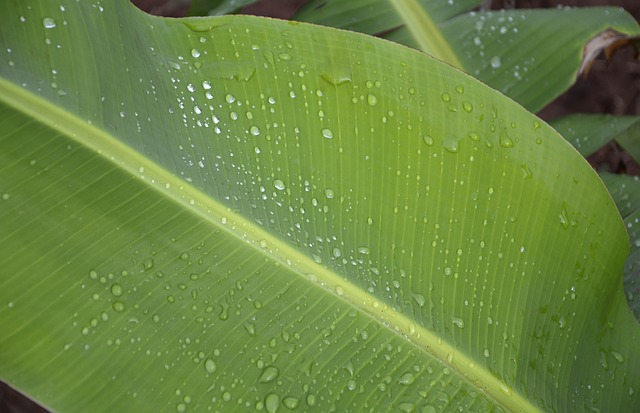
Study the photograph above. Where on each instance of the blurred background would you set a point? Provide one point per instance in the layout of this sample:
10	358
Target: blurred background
612	86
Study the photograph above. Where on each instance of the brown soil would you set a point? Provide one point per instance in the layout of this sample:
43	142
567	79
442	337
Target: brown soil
611	87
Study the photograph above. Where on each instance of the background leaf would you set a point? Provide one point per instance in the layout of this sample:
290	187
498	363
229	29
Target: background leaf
514	51
217	214
216	7
625	191
589	133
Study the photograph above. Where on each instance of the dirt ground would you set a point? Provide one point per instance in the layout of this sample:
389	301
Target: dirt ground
611	87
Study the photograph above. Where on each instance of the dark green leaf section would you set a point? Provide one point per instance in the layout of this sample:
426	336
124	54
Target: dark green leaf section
589	133
216	7
218	215
625	191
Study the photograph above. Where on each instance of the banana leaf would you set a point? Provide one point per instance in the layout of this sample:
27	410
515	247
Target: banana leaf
237	213
532	56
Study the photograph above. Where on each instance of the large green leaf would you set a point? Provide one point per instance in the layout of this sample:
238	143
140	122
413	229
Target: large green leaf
216	214
530	55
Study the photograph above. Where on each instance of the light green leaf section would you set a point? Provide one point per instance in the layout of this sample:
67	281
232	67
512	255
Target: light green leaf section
214	214
530	55
625	191
588	133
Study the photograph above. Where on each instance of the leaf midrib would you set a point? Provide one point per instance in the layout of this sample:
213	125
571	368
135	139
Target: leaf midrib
237	226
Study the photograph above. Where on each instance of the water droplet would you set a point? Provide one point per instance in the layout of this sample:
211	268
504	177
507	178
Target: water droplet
496	62
255	131
278	184
48	23
505	139
486	353
564	217
210	366
336	252
467	106
458	322
272	403
250	328
372	100
428	140
619	357
446	97
419	299
195	52
230	98
460	89
451	144
327	133
406	407
339	290
116	290
407	379
351	385
447	271
311	399
291	402
284	56
269	374
329	193
118	306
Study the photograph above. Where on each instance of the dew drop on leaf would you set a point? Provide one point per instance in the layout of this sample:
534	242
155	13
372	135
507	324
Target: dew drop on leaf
407	407
419	299
116	290
278	184
272	403
118	306
458	322
269	374
291	402
407	379
210	366
327	133
48	23
311	400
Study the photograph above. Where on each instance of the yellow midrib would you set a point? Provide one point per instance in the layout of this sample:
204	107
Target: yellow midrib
425	32
238	226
